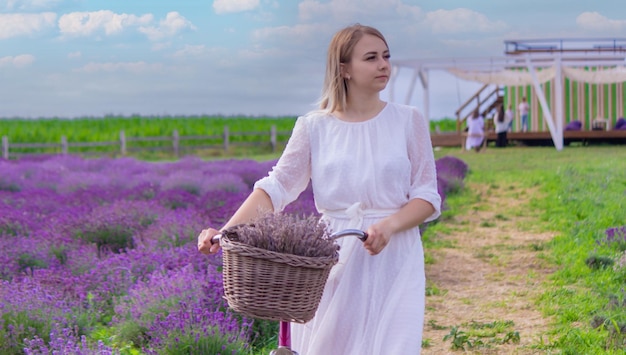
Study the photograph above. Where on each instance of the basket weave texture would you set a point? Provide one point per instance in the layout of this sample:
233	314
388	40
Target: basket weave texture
265	284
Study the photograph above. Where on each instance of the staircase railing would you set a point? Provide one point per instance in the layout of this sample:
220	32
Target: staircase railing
483	101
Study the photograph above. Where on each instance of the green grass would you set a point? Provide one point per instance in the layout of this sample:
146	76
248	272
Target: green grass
107	129
582	192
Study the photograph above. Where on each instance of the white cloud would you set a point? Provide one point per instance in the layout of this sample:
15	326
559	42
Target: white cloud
595	22
298	33
19	61
354	10
213	57
409	10
88	23
27	5
461	21
173	24
306	42
159	46
13	25
319	20
74	55
191	51
311	9
131	67
227	6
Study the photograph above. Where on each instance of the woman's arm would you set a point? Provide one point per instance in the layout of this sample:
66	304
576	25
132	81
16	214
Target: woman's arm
281	186
256	203
424	202
409	216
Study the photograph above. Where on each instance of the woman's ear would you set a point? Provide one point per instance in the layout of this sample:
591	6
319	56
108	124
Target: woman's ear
344	72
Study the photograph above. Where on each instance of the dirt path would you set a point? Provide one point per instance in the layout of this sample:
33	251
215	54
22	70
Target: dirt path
487	272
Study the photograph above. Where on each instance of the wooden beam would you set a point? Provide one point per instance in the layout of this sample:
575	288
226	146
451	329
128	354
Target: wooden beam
558	140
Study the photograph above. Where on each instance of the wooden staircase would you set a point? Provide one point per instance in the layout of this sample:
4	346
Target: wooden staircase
485	100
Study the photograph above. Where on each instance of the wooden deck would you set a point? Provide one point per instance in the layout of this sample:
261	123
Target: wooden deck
455	139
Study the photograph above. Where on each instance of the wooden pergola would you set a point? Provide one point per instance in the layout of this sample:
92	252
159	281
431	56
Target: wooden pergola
530	57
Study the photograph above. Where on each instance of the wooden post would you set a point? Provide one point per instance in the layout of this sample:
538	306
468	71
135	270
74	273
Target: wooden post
175	142
273	138
5	147
122	143
610	88
64	145
620	100
463	139
226	138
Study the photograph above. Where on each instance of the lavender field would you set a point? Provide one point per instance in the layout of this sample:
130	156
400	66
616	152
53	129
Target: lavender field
98	256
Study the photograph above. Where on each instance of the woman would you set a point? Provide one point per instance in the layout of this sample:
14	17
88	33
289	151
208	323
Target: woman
523	112
502	127
475	132
509	116
371	166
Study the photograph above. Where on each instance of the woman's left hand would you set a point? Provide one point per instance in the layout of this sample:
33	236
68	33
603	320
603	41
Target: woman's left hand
377	238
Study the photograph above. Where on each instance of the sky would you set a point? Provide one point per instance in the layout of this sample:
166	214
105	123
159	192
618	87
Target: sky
78	58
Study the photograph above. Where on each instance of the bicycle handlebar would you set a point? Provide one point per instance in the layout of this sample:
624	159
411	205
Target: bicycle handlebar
346	232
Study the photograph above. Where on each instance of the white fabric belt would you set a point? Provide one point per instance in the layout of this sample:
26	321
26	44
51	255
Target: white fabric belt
356	213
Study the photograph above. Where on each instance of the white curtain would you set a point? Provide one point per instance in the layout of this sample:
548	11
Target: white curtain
504	77
602	76
523	77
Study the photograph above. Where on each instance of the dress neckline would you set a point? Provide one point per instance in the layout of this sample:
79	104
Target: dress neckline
373	118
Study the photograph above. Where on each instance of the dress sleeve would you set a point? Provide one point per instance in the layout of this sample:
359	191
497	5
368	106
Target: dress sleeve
291	174
423	171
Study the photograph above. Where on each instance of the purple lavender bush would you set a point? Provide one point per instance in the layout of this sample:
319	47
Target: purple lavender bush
114	225
575	125
451	172
99	255
65	341
615	236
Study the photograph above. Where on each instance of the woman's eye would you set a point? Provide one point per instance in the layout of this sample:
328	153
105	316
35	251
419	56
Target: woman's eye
370	58
387	56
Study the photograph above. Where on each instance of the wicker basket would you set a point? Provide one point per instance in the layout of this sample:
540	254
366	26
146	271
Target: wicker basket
268	285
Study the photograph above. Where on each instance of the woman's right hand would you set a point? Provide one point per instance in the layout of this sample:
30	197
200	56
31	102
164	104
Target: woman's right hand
205	246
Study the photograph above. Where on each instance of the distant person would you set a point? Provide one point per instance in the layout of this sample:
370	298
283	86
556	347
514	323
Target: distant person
508	116
475	132
502	126
523	112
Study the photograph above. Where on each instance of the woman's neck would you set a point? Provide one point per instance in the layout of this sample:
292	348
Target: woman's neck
361	108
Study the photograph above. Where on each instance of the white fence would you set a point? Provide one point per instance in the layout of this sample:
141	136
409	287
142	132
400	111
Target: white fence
125	144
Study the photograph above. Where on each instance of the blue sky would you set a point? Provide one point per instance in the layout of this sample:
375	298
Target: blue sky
73	58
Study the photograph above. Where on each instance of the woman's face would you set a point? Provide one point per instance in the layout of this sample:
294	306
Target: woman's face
369	67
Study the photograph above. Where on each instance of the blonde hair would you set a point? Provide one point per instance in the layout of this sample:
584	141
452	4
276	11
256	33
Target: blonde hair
335	89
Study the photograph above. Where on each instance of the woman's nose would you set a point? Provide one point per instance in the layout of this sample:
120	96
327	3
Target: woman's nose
383	63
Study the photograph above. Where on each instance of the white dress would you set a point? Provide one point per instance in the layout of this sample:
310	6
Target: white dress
475	132
360	173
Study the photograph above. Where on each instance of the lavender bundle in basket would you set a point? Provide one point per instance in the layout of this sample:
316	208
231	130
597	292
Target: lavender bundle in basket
286	234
